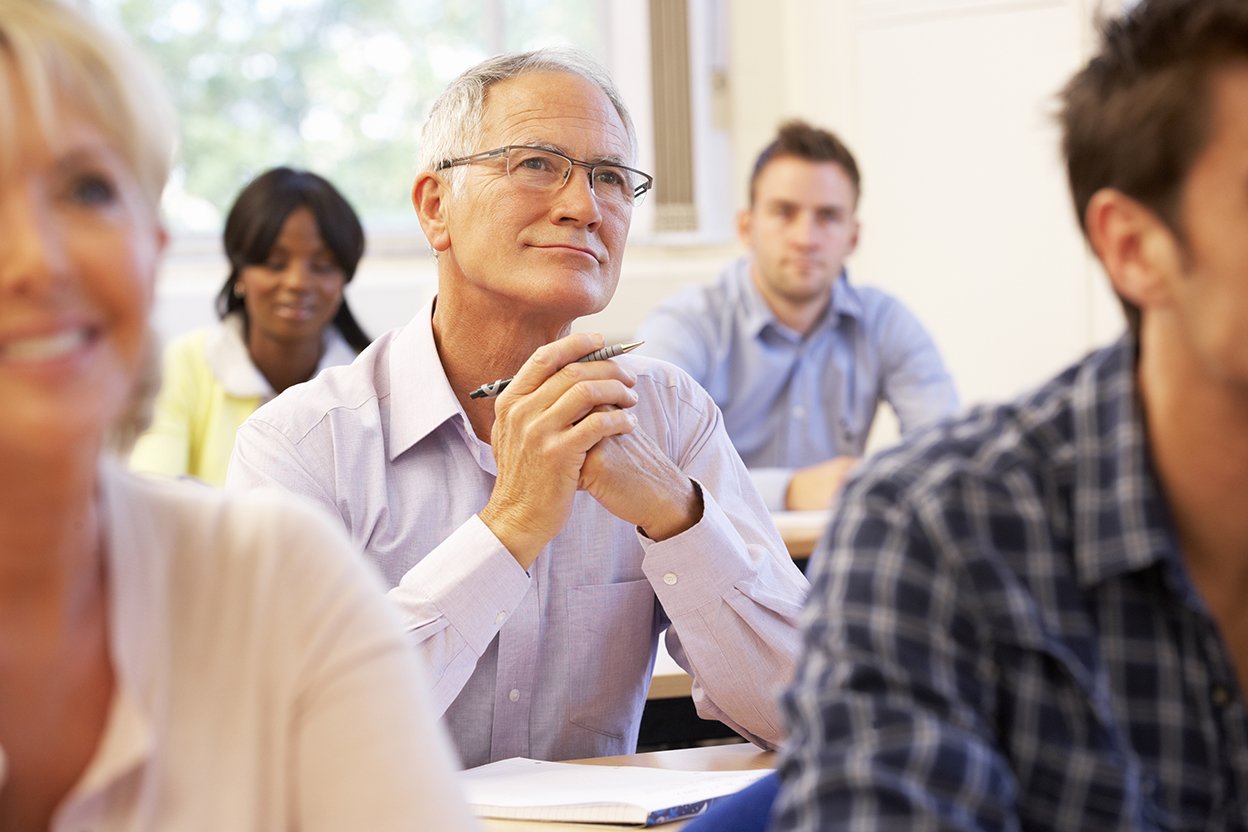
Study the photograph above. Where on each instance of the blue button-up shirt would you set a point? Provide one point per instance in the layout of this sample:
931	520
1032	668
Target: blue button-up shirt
1002	635
791	401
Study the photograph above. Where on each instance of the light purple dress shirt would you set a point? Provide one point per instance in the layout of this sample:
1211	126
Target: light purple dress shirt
790	400
553	664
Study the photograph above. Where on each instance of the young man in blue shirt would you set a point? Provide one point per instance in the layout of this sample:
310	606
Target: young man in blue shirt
797	357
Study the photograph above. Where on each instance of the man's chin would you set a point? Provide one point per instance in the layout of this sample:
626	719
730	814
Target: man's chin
570	301
802	293
584	290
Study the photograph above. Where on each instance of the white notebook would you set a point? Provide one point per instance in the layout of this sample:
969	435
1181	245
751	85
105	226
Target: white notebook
813	521
523	789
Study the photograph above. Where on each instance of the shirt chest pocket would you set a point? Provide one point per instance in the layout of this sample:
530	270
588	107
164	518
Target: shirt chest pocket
613	637
1069	752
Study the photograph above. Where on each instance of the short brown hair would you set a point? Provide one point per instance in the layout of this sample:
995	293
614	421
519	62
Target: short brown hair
798	139
1139	114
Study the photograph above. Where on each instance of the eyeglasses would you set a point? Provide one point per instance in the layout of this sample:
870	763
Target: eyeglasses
546	170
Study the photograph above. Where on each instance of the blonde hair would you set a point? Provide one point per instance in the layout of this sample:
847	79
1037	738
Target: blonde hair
57	56
137	415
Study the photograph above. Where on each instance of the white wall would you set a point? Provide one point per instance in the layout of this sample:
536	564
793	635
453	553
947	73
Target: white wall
948	105
390	288
387	290
969	215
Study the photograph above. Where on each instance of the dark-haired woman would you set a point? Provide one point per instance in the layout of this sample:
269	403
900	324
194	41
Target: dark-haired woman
293	244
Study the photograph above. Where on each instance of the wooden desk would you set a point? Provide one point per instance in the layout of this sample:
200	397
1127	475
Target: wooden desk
740	757
669	683
801	530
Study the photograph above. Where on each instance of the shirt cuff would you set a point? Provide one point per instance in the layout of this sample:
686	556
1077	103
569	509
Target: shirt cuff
471	579
699	564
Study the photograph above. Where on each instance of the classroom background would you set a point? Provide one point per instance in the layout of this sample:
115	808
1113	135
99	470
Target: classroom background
948	105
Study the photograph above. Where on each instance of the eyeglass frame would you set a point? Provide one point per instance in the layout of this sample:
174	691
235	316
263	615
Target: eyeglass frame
638	192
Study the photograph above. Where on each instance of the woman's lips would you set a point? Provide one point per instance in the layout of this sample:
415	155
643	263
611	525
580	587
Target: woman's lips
38	349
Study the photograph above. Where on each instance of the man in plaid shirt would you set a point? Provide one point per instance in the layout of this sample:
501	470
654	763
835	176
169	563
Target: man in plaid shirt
1036	617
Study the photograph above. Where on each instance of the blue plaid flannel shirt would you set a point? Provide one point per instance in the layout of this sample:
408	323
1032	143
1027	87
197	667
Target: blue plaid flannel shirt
1001	635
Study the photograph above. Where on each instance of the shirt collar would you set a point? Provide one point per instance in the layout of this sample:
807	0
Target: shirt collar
1122	522
846	302
230	361
421	399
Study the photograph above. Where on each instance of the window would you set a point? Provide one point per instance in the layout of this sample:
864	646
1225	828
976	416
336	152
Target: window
340	87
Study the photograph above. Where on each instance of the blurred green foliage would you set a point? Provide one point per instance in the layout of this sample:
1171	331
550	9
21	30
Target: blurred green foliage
340	87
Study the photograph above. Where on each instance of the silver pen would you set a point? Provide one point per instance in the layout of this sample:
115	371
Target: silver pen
495	387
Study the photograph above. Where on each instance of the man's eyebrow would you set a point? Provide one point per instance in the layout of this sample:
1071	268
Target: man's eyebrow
539	145
612	159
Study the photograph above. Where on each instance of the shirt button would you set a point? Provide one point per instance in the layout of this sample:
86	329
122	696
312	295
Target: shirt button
501	617
1220	695
799	412
514	696
670	579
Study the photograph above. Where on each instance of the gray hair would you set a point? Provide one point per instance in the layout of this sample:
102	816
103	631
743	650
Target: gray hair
454	125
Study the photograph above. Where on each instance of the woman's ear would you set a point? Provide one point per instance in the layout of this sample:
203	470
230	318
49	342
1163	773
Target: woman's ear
162	244
1138	250
430	196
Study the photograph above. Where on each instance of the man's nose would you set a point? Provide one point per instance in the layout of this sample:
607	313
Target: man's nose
575	201
801	229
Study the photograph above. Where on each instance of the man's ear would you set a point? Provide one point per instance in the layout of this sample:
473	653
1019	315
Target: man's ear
1138	250
430	197
744	219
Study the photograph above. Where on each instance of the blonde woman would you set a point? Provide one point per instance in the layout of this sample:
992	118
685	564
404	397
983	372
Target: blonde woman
169	658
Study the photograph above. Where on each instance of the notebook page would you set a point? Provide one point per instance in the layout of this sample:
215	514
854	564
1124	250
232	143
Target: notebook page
526	789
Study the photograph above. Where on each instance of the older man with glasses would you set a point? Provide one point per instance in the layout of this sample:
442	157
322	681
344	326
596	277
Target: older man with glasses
539	542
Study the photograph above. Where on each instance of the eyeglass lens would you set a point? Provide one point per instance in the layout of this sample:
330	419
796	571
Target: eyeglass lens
547	171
